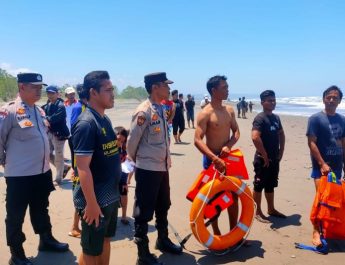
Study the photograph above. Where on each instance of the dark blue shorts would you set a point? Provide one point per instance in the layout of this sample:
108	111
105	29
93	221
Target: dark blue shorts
206	162
316	173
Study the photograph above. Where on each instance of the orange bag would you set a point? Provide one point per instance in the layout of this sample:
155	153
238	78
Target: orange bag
328	209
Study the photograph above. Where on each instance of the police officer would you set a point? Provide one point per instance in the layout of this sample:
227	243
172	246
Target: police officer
148	146
28	175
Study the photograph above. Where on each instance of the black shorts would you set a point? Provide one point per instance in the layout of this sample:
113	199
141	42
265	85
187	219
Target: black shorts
178	125
123	183
92	238
123	188
265	177
190	115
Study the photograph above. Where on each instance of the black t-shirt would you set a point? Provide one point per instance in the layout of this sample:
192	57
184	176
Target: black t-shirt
189	105
93	135
269	126
178	110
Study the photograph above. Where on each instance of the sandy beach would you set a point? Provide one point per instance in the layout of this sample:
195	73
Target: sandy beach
269	243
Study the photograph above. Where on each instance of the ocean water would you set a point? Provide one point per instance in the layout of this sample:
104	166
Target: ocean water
298	106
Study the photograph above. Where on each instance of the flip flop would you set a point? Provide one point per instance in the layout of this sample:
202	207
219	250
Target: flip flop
262	220
74	234
278	215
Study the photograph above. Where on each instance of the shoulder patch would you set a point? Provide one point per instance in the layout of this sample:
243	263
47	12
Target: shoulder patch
3	113
141	118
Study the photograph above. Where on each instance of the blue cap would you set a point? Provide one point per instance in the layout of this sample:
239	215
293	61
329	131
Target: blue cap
53	89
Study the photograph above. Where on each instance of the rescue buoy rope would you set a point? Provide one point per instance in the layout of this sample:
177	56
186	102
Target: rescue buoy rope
255	207
204	202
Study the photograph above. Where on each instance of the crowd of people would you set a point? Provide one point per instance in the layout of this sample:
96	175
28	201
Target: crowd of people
104	158
243	106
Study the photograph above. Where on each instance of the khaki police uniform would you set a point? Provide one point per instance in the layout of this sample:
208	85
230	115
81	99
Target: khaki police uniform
24	153
148	146
148	138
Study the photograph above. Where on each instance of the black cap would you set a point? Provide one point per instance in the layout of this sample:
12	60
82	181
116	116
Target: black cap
266	94
157	77
31	78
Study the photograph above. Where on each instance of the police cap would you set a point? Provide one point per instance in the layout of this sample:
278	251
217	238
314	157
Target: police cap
156	78
30	78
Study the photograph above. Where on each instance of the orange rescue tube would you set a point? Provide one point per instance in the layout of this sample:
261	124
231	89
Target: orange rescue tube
221	242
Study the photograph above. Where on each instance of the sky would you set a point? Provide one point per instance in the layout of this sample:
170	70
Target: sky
294	47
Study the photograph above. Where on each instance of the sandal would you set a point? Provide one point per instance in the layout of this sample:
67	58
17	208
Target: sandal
74	233
261	219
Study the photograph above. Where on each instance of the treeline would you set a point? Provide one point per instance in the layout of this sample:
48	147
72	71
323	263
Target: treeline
9	89
8	86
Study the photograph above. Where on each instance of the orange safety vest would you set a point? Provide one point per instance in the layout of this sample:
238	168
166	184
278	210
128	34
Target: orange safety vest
328	209
235	167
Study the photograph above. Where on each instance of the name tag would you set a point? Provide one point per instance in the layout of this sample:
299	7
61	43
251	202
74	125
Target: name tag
25	123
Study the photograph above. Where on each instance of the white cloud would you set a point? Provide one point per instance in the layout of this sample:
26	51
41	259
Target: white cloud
12	70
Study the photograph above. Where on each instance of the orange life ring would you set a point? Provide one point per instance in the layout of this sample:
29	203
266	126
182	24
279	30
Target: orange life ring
221	242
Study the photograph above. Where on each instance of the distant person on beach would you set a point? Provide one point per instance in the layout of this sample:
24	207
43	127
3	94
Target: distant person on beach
189	104
58	131
24	153
77	109
69	103
238	106
180	97
244	107
178	120
148	147
204	101
215	122
326	141
96	195
269	140
250	106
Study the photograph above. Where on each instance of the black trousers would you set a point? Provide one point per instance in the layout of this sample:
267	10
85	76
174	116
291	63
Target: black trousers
152	195
70	144
21	192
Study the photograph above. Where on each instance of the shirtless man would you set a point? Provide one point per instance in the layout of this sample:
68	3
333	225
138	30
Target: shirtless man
215	121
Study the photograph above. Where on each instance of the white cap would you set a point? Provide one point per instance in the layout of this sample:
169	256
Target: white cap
69	90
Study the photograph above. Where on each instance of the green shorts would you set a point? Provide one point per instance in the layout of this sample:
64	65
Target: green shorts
92	238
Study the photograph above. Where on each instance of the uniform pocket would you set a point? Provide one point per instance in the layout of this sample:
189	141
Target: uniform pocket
25	134
156	134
